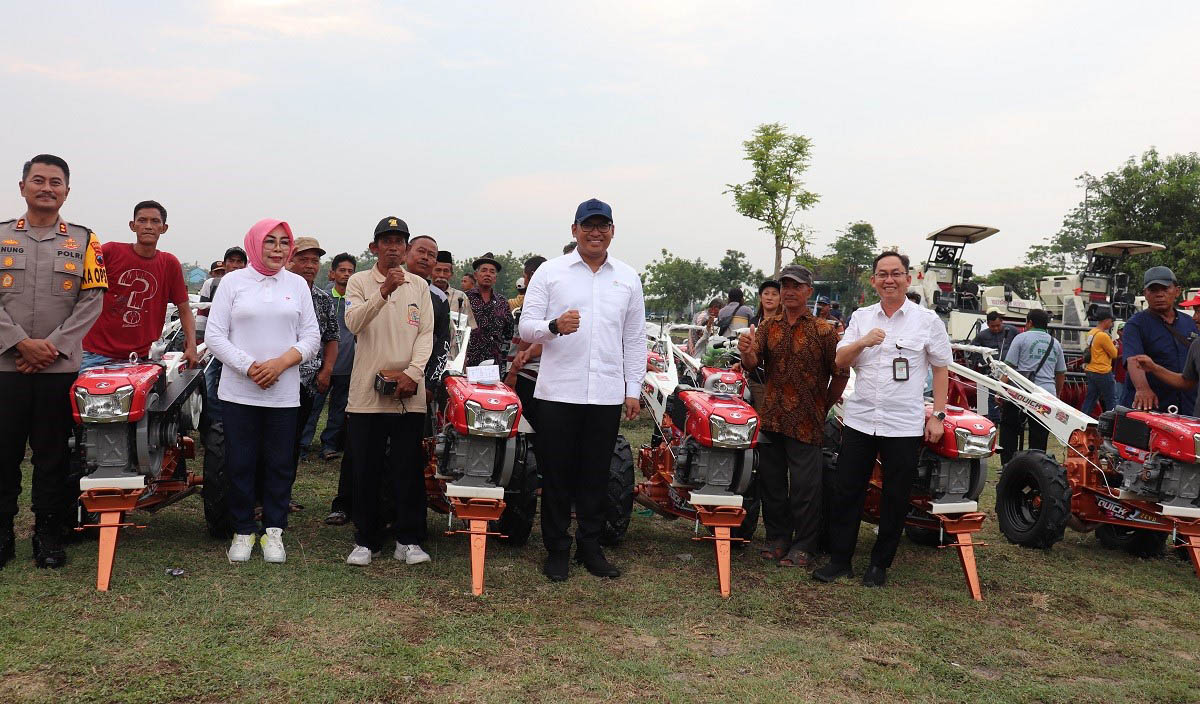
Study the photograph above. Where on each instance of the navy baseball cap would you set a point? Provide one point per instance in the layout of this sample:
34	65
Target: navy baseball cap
588	208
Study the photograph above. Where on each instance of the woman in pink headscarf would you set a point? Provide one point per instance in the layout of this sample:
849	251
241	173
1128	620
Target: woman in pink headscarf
261	326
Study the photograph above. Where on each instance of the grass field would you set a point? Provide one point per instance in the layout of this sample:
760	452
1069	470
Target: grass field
1075	624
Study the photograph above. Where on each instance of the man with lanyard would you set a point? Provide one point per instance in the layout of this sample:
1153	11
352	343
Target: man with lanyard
419	260
802	384
144	279
1165	336
998	335
587	311
52	283
492	315
1037	356
316	374
890	344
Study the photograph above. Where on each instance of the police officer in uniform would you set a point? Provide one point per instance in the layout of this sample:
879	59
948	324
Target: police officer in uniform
52	284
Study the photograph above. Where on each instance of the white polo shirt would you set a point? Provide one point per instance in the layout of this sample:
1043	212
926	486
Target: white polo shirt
879	404
604	361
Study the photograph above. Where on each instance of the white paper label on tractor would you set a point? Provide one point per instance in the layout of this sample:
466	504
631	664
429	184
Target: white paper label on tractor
484	374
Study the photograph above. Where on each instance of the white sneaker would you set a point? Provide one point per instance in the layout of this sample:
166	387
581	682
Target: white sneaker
361	556
240	549
272	546
411	554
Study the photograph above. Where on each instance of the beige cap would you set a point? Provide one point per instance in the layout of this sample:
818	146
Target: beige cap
305	243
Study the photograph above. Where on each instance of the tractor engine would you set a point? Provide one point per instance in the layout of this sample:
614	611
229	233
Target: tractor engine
479	443
1156	455
716	455
722	381
130	415
952	472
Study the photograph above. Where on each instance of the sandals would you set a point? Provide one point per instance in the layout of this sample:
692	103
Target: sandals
775	550
796	558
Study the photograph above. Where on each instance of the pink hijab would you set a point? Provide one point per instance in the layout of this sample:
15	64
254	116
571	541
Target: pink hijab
254	244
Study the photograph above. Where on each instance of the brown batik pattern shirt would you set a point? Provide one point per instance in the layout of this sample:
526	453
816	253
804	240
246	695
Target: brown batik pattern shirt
799	360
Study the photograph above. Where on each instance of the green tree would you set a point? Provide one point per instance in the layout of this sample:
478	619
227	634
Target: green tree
855	249
672	285
1151	198
775	192
735	270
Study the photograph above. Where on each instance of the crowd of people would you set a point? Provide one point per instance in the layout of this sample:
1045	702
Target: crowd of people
372	349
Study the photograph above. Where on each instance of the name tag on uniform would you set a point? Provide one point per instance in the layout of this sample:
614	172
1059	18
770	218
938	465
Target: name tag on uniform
900	369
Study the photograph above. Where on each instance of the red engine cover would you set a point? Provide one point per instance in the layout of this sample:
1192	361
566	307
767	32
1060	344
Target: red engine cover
957	417
726	375
101	381
492	397
701	405
1170	435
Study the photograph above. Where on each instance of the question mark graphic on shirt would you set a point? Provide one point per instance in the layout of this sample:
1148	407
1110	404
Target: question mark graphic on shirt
142	286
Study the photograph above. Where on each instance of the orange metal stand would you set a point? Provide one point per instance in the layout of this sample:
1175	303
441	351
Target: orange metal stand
961	526
1193	549
112	505
720	519
476	512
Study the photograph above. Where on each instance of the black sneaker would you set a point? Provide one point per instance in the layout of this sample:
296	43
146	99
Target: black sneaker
558	566
832	572
875	576
596	563
48	550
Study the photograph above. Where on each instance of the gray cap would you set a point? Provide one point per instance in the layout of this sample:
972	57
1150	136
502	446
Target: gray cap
797	273
1158	275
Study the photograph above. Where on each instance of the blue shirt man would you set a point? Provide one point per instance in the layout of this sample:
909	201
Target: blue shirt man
1165	336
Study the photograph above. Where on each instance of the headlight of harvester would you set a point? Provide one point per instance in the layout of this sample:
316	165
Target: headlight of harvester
728	435
108	408
1196	440
495	424
971	445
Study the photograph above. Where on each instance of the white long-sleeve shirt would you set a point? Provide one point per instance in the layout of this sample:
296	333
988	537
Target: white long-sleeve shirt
880	405
255	318
604	361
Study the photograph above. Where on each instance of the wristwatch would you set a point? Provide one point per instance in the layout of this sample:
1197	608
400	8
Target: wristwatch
554	327
940	415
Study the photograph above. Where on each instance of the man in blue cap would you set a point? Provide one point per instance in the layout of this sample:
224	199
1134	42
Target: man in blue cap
1163	335
586	310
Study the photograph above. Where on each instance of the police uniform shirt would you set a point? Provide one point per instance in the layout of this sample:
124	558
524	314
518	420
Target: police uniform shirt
52	284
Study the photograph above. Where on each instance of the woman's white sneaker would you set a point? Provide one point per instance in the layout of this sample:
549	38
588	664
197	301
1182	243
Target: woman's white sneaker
361	556
240	549
272	546
411	554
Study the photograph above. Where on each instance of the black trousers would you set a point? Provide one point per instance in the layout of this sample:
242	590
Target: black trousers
789	485
345	496
400	469
306	405
259	439
1011	420
36	409
856	461
574	449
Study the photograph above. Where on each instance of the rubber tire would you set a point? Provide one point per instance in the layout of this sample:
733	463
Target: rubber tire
1040	471
1147	543
927	536
1114	537
215	489
520	498
619	507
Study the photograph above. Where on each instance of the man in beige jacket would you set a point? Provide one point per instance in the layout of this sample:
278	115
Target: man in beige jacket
391	314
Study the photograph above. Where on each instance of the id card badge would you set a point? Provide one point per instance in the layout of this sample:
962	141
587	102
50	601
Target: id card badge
900	369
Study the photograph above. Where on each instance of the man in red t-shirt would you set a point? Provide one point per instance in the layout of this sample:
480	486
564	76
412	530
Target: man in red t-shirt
142	280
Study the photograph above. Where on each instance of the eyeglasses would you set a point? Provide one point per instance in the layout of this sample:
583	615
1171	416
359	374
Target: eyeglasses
602	228
272	243
890	275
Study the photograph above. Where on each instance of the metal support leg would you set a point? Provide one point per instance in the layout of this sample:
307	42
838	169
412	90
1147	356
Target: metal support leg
478	554
722	546
110	522
966	556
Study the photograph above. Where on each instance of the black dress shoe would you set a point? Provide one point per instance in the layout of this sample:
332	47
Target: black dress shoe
558	566
875	576
832	572
8	546
596	563
48	551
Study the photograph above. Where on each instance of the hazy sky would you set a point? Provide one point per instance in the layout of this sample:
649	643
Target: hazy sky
485	124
